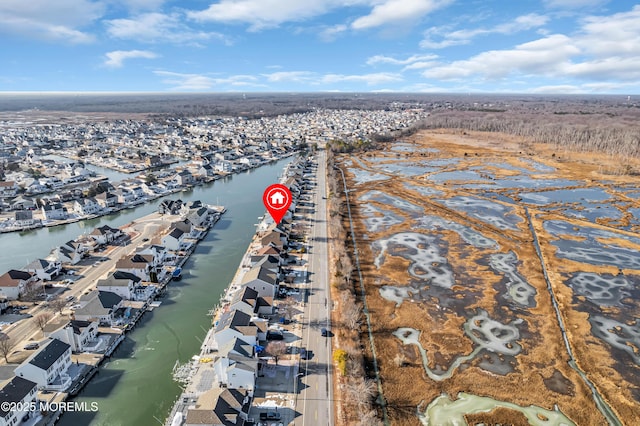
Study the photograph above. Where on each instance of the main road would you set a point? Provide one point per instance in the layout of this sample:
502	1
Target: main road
315	400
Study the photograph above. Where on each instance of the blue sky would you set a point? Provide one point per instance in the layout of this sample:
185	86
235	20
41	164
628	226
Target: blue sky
513	46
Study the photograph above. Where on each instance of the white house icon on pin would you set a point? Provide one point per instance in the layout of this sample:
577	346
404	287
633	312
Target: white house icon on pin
277	198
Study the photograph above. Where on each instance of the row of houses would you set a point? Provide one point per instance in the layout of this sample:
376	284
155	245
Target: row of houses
241	328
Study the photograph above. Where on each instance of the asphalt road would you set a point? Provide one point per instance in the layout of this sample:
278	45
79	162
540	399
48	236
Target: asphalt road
315	400
26	331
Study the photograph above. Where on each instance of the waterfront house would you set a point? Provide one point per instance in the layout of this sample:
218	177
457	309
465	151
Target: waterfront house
238	347
13	283
80	335
174	240
54	211
24	218
98	306
220	407
125	195
248	301
235	324
159	254
236	372
8	188
23	393
44	269
67	255
206	170
22	203
105	234
48	366
223	166
198	217
121	283
184	178
262	280
138	264
170	207
185	226
86	206
107	200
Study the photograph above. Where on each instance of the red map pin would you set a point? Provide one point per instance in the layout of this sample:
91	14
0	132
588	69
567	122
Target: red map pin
277	199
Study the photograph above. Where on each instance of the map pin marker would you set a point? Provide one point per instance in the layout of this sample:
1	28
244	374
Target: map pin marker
277	199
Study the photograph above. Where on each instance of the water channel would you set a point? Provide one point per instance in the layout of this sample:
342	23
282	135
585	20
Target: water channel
135	385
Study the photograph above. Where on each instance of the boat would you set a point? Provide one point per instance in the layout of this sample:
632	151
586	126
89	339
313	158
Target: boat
176	275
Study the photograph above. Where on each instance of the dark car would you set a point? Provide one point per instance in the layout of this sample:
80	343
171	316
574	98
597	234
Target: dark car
31	346
270	416
274	335
324	332
303	353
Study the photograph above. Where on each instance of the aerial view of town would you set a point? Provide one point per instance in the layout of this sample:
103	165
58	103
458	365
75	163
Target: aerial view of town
320	213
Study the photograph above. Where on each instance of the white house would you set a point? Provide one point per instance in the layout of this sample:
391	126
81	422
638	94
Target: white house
174	240
235	324
8	188
105	234
121	283
54	211
44	269
48	367
14	282
77	334
23	393
86	206
236	372
98	306
262	280
140	265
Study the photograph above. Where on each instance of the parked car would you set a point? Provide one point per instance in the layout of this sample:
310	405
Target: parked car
324	332
275	335
272	415
31	346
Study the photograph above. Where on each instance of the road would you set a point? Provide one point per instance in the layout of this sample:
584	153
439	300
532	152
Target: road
315	400
26	331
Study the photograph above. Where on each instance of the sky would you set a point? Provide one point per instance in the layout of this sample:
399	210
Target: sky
465	46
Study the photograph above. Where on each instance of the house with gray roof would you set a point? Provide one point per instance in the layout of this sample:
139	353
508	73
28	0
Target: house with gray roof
48	366
22	393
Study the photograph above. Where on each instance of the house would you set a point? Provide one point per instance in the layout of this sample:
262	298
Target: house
248	301
44	269
235	324
274	236
198	217
48	366
98	306
77	334
66	255
54	211
174	240
13	283
158	253
22	203
107	199
24	218
22	393
105	234
220	407
125	196
184	177
236	372
223	166
8	188
86	207
170	207
121	283
139	265
262	280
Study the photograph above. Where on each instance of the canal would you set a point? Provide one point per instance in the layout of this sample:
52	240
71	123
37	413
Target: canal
135	386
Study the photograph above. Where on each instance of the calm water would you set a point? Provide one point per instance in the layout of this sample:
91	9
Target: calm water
136	385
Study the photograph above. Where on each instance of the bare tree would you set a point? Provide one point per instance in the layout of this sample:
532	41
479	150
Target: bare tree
276	349
288	305
5	346
33	291
42	320
57	304
351	312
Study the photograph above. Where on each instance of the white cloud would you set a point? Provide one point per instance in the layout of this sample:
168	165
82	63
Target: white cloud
381	59
396	12
613	35
368	79
260	14
58	20
544	56
116	58
453	38
158	28
190	82
573	4
331	33
291	76
138	5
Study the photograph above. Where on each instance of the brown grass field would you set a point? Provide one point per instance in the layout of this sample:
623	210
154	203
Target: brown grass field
540	373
